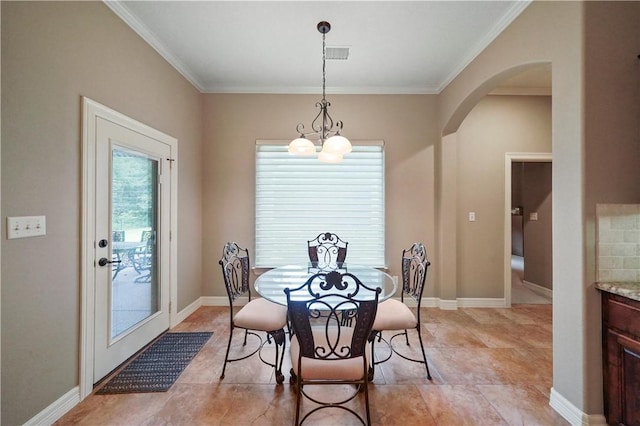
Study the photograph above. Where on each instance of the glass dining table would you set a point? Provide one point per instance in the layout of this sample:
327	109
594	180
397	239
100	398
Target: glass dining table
271	284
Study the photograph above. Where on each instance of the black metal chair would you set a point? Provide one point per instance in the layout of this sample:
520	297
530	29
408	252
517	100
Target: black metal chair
257	315
327	251
395	315
331	315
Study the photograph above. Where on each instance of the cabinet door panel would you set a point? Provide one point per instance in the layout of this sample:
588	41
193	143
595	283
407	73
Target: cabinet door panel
631	386
624	357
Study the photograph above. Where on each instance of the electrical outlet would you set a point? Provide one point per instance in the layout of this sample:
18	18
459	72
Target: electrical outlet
533	216
26	226
472	216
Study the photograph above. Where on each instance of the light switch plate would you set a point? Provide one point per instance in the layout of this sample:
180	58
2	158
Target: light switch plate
472	216
26	226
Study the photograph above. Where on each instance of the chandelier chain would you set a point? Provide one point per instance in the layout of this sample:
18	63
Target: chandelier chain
324	61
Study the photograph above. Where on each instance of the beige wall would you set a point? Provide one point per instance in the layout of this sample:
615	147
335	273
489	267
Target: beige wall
497	125
52	54
407	124
594	97
612	135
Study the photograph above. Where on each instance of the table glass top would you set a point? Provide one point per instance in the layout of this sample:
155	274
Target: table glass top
272	283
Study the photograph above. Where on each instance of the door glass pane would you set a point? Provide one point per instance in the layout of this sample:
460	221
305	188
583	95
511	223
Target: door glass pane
134	219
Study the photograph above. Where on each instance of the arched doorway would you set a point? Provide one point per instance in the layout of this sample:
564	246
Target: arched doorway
472	187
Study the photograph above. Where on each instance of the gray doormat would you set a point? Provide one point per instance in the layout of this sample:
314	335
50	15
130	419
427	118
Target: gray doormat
158	366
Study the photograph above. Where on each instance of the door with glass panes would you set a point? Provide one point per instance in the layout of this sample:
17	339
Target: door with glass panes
132	237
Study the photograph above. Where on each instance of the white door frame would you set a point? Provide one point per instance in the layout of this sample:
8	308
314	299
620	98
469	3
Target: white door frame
91	110
509	158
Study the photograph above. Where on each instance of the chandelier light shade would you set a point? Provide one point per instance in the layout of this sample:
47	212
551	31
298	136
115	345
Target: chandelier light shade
337	144
333	144
329	157
302	146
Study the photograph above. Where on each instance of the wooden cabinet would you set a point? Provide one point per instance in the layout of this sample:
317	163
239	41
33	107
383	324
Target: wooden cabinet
621	357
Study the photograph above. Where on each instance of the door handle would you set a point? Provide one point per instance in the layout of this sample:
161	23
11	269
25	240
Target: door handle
104	261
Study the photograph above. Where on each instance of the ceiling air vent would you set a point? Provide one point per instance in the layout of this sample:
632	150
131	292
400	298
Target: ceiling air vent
337	53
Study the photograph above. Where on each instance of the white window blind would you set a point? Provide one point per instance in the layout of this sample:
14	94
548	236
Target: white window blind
299	197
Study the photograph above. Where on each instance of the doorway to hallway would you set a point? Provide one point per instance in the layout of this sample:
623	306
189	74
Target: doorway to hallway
528	264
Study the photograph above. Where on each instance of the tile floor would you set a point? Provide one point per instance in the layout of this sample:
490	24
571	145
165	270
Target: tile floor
489	367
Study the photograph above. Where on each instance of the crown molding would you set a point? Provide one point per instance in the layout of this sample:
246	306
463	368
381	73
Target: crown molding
303	90
507	19
123	13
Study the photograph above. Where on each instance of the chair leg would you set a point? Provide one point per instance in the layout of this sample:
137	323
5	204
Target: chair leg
424	356
298	398
246	332
366	401
406	336
226	356
372	367
279	339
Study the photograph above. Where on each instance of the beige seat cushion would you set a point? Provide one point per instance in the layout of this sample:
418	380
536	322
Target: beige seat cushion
337	369
261	314
394	315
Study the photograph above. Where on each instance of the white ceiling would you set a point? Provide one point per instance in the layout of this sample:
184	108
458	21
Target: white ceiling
274	47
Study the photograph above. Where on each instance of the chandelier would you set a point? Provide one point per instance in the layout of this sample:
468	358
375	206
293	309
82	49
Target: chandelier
333	145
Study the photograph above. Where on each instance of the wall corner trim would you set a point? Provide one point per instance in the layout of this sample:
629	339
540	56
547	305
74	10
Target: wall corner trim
573	414
183	314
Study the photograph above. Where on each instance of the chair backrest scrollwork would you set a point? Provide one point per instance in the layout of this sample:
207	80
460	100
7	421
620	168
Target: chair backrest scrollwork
235	270
414	271
327	250
339	304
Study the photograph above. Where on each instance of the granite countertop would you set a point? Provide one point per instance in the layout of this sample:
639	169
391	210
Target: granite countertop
628	289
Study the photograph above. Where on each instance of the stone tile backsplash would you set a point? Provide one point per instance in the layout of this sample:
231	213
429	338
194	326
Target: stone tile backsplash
618	242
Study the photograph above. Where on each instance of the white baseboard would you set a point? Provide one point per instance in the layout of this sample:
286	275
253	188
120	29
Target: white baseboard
481	302
220	300
573	414
430	302
448	305
594	420
538	289
183	314
436	302
471	302
55	411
